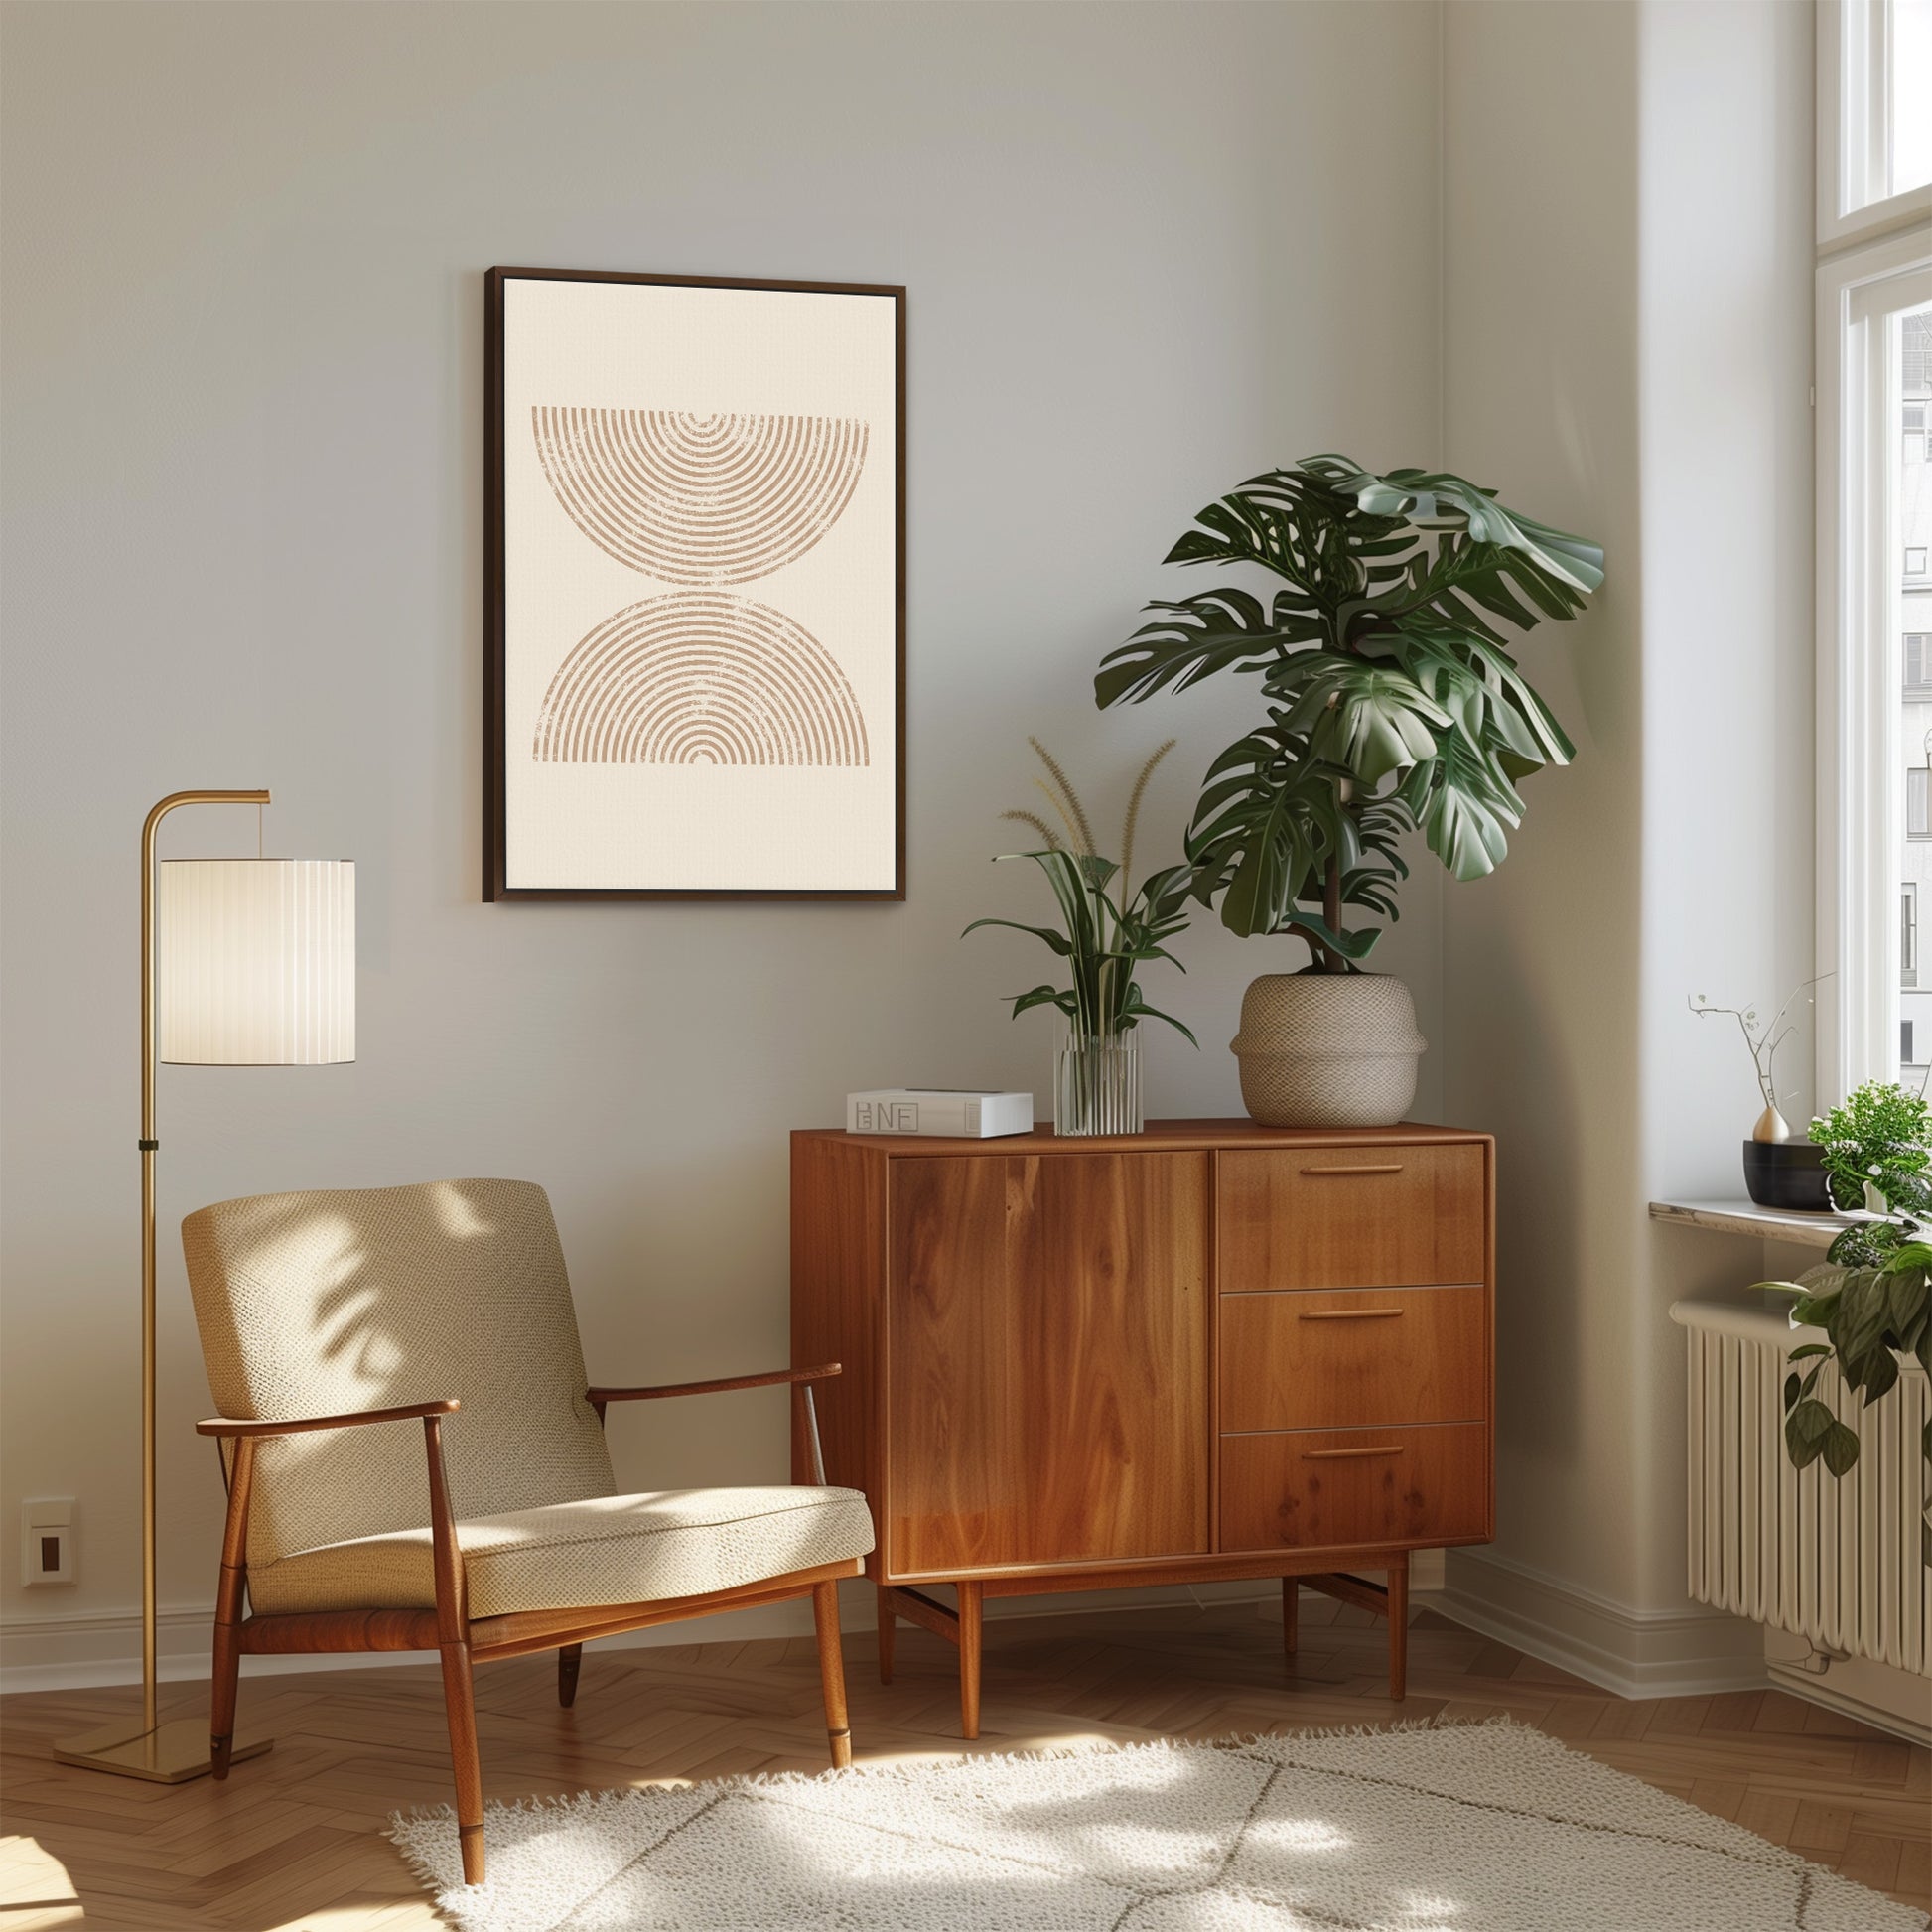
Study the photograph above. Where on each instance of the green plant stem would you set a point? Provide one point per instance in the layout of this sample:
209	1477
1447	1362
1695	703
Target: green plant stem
1331	961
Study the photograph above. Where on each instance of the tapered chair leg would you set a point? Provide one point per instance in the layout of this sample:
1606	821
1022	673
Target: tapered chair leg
221	1697
459	1697
831	1672
570	1660
887	1632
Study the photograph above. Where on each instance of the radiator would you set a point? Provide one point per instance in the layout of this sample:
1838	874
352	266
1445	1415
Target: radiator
1833	1561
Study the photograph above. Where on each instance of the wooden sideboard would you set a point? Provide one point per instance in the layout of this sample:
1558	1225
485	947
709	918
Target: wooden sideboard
1211	1351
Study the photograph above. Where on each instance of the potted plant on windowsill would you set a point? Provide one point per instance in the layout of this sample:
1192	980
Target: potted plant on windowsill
1872	1298
1391	705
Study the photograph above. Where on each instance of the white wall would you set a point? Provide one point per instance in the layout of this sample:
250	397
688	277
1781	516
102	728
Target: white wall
1148	249
1627	324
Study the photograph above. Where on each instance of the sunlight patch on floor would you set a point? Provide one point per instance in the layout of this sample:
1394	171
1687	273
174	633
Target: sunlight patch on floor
36	1893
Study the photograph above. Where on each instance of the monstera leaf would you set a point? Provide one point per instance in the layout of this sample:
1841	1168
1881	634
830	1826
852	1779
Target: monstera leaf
1370	719
1425	497
1220	631
1266	818
1382	664
1462	803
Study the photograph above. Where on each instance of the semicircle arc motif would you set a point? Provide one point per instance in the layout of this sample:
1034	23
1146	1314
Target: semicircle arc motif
700	499
700	678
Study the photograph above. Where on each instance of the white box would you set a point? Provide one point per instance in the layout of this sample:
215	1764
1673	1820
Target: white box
962	1112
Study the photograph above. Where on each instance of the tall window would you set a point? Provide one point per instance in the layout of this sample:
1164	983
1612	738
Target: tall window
1874	527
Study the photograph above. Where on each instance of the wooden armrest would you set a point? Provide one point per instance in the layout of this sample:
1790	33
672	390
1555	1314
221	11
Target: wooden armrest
777	1378
227	1426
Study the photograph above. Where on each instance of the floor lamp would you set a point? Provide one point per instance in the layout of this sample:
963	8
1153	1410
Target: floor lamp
244	962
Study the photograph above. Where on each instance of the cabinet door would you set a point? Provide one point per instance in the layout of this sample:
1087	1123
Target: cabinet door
1047	1360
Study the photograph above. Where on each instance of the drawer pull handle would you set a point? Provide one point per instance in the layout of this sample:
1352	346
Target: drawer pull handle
1350	1314
1397	1169
1331	1455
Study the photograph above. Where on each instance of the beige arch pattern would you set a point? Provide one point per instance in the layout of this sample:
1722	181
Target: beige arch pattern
700	678
700	499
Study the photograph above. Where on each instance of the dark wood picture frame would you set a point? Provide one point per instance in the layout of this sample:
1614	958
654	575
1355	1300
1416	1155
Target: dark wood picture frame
495	886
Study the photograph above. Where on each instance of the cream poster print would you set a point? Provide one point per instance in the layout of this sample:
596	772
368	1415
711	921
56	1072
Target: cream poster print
695	517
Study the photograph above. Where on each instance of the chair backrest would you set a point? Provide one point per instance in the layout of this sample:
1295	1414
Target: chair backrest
318	1304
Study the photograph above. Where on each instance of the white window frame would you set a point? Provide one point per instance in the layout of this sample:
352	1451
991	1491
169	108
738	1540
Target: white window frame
1861	804
1854	127
1871	245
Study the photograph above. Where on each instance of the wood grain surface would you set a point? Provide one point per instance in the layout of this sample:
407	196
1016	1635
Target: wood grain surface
1354	1487
1047	1381
1345	1217
1318	1359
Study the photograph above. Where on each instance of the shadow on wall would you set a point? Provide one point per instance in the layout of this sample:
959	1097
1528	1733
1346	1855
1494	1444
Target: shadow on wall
328	1303
1540	1225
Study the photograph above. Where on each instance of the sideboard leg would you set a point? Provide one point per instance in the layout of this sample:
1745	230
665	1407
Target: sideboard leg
969	1658
1399	1626
888	1630
1291	1615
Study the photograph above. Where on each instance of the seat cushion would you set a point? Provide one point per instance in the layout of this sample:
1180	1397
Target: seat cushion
580	1555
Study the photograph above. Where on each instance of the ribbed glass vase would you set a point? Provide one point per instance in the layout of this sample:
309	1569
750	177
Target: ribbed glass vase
1097	1083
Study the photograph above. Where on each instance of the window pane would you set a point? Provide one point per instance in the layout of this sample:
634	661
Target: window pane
1910	84
1913	476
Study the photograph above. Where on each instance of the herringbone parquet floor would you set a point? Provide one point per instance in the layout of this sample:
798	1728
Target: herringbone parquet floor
290	1844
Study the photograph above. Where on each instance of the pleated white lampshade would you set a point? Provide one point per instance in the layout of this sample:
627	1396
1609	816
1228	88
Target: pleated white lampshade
256	962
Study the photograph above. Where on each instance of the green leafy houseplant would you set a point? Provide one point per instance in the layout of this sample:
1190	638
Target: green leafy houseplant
1391	701
1104	937
1872	1298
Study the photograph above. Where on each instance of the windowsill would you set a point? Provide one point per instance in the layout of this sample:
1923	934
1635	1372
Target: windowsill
1746	1217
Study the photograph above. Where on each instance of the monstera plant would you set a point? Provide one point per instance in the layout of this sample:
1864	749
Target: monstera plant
1391	698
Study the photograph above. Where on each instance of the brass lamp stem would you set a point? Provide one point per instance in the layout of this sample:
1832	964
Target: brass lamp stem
169	1753
149	1146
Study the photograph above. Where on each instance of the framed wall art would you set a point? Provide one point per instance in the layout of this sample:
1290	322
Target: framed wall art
695	546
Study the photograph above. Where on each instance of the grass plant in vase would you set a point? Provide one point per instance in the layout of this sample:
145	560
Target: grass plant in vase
1106	934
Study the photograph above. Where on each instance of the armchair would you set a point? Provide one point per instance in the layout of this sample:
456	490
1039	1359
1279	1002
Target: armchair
509	1537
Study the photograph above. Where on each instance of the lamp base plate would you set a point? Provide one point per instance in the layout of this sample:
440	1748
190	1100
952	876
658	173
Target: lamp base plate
171	1753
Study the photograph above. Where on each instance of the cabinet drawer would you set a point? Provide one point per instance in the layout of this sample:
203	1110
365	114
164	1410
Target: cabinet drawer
1351	1217
1331	1360
1316	1488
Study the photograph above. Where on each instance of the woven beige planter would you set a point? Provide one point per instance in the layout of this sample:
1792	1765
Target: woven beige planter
1328	1050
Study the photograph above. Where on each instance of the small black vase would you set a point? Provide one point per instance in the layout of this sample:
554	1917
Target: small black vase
1786	1174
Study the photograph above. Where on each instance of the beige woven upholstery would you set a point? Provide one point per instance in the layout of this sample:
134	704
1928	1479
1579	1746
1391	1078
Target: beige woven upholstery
578	1556
322	1304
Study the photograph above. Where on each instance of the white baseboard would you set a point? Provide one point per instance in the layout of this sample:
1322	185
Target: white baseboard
1691	1652
1875	1694
99	1647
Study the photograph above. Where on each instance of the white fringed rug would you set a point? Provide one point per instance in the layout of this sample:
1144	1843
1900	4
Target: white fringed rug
1477	1828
